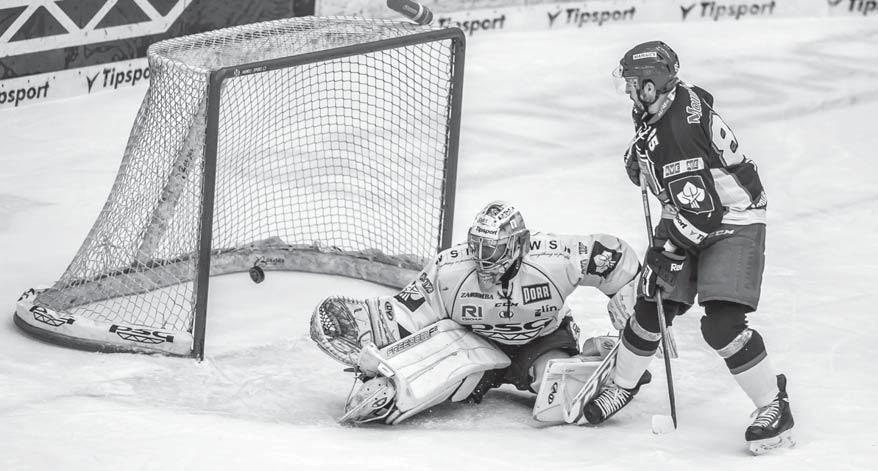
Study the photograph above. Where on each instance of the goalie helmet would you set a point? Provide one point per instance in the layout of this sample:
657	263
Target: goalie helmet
652	61
497	239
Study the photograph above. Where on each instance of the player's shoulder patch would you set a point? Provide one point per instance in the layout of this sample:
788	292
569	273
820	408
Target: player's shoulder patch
411	297
602	260
689	192
682	166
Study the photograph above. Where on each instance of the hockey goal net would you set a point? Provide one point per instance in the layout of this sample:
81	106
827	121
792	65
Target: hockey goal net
315	144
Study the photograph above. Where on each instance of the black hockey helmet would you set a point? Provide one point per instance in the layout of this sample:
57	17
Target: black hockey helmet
654	61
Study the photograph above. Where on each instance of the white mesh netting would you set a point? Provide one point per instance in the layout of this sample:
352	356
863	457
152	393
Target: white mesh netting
318	166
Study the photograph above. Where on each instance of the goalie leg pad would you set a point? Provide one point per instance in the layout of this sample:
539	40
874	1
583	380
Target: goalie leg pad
432	365
562	380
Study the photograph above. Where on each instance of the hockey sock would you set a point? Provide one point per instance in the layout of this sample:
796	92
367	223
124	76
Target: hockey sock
759	382
639	344
629	367
725	329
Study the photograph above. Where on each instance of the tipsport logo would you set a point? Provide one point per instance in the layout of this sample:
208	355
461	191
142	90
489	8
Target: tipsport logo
716	11
863	7
111	78
580	17
17	96
470	26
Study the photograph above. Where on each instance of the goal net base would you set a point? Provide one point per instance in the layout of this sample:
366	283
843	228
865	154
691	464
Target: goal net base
65	327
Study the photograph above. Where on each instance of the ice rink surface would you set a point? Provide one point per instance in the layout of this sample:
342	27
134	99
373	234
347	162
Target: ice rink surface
543	127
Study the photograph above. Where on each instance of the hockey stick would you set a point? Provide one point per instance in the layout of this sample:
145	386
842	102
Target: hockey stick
573	412
412	10
659	423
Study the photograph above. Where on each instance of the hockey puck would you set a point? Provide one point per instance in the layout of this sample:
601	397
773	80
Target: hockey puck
662	424
257	274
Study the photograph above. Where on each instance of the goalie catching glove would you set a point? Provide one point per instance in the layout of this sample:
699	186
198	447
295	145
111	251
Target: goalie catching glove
341	326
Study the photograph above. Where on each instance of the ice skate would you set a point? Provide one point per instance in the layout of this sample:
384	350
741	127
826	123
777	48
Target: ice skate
611	400
772	427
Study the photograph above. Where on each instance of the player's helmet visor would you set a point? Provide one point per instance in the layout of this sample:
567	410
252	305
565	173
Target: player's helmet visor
623	83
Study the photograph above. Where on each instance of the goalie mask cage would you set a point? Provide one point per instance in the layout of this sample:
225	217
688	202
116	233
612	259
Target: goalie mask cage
326	145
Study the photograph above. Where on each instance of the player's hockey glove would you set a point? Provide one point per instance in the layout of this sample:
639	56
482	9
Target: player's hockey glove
660	270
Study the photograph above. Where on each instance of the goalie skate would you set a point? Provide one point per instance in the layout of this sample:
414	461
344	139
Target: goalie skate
373	401
574	412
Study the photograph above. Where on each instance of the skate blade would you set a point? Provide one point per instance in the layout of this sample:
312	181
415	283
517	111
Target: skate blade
761	447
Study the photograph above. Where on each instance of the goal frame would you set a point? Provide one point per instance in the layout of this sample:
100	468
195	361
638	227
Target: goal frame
385	269
214	94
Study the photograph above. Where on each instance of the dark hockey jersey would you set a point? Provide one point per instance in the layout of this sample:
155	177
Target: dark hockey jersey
696	167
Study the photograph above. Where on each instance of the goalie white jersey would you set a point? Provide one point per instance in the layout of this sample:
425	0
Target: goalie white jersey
529	305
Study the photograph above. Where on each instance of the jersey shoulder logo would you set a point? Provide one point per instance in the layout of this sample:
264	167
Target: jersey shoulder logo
410	297
603	261
690	193
683	166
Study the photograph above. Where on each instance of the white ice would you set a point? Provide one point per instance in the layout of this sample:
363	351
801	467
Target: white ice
544	128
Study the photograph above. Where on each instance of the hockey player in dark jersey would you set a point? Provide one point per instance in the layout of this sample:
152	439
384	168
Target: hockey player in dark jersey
709	242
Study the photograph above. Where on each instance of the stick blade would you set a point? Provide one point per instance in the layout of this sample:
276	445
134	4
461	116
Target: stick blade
412	10
662	424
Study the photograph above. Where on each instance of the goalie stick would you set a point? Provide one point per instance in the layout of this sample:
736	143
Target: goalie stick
574	412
